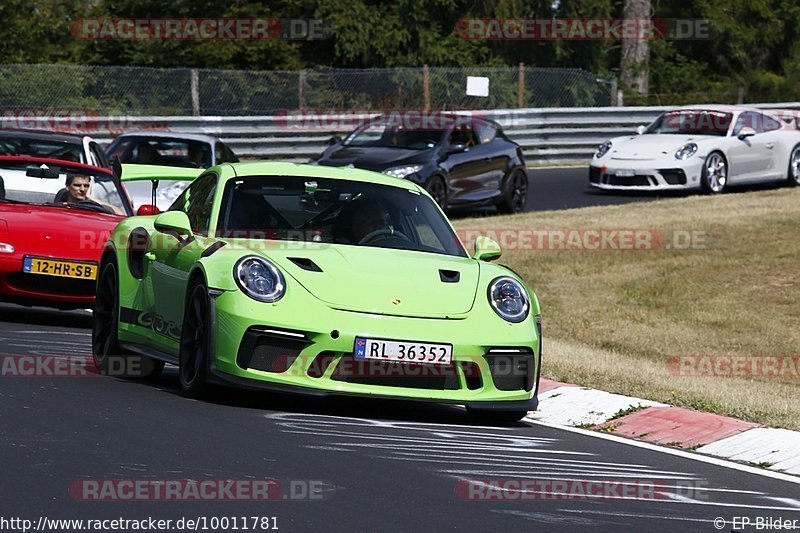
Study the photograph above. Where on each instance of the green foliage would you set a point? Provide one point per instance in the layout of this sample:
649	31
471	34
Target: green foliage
755	46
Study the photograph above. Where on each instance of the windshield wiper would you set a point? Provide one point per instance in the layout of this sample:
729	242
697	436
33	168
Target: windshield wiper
10	201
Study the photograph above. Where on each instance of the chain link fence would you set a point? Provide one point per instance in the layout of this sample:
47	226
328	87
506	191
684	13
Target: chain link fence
108	90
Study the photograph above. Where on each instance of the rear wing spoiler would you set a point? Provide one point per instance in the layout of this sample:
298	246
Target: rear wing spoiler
134	172
128	172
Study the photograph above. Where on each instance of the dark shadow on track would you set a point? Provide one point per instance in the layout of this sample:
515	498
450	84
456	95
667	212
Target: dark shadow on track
568	188
44	316
344	406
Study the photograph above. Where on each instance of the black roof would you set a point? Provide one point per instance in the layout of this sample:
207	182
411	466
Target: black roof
41	135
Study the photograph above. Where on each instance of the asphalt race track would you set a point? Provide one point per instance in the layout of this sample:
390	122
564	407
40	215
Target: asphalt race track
341	464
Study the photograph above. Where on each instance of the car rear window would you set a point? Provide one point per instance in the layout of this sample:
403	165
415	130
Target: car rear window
43	148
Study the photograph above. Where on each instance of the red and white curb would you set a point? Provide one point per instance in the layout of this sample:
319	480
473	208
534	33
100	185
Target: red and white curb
720	436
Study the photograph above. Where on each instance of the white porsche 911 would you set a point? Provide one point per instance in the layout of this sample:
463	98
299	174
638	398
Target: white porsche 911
702	147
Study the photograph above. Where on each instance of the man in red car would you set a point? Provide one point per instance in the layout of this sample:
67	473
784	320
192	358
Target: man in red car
77	188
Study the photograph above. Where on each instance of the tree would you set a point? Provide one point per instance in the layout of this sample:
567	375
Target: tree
634	66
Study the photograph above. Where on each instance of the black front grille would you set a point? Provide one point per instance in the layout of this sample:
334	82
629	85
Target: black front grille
511	369
269	350
393	374
673	176
628	181
52	284
594	174
472	375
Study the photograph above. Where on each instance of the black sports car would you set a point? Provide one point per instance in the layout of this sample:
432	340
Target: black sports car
461	160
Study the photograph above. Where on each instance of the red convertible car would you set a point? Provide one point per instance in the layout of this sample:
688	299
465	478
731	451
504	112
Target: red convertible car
51	238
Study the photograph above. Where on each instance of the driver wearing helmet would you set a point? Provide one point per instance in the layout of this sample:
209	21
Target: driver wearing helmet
359	219
370	218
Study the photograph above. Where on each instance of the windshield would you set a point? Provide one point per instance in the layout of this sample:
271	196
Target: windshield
692	122
393	136
47	185
46	148
141	192
335	211
162	151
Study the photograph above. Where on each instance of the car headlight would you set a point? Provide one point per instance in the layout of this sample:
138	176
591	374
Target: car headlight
509	299
402	172
686	151
603	149
259	279
6	248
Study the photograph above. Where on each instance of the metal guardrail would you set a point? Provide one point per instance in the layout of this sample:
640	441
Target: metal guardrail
547	135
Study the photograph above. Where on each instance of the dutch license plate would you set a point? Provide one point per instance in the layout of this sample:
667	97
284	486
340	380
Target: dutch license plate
403	351
625	173
56	267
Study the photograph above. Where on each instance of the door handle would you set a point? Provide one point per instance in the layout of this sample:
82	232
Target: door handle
770	146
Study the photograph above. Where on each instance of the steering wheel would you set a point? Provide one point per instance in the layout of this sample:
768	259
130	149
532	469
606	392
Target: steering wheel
93	206
382	232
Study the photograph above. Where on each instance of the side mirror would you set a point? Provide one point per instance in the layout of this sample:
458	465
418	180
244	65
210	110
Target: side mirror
457	148
486	249
173	223
146	210
745	133
334	140
640	130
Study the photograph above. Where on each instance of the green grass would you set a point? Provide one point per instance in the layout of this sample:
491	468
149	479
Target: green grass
614	319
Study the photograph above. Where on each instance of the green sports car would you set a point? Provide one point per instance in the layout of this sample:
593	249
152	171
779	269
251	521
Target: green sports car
316	280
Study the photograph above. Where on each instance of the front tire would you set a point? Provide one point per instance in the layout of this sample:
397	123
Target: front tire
108	357
714	176
105	317
515	193
194	348
793	174
437	188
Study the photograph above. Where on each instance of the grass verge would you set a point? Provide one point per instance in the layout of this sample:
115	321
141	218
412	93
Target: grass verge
689	320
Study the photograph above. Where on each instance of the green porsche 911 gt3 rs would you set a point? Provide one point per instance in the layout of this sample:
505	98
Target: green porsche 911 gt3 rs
317	280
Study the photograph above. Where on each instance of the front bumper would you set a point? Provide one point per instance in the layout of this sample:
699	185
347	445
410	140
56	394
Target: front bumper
635	176
496	365
29	289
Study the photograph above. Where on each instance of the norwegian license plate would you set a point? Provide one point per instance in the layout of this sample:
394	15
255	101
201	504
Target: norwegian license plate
403	351
56	267
625	173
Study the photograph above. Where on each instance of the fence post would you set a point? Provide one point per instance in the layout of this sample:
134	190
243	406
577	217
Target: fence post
301	90
426	88
521	86
195	92
614	96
